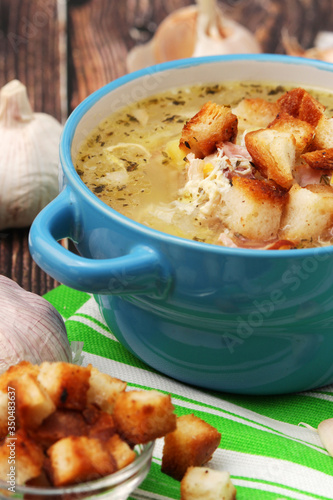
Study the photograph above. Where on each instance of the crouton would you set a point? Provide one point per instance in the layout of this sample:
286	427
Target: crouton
255	113
301	130
253	208
15	372
300	104
3	414
323	134
103	390
78	459
33	403
7	379
61	424
23	454
67	384
273	154
191	444
211	125
102	427
321	159
202	483
142	416
308	213
121	451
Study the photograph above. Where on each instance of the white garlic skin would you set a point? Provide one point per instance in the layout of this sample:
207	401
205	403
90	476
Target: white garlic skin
188	32
31	329
29	144
325	431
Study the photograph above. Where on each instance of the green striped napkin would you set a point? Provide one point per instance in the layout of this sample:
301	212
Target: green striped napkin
269	456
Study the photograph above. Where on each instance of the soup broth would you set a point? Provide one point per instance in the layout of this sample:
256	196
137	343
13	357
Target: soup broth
133	163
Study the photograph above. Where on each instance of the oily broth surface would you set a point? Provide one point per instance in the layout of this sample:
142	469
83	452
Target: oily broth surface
125	163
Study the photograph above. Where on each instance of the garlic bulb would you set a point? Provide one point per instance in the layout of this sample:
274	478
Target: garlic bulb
323	51
193	31
31	329
29	157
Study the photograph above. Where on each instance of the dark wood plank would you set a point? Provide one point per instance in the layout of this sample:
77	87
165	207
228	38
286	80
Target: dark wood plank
98	53
29	51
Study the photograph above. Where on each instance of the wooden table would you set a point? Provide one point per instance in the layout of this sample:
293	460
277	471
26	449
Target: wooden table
64	50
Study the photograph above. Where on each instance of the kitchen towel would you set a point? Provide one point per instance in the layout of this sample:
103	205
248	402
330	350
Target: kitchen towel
268	454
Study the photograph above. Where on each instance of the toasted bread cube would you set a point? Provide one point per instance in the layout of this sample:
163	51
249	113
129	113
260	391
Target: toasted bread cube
3	414
121	451
22	453
321	159
255	113
142	416
103	390
308	213
15	372
202	483
76	459
253	208
32	402
67	384
273	154
301	130
7	379
103	427
300	104
191	444
323	134
61	424
211	125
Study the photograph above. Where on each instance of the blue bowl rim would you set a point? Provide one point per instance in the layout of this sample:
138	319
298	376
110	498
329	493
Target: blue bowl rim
75	181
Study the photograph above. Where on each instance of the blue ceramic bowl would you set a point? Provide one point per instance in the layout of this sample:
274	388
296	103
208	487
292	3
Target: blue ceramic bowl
236	320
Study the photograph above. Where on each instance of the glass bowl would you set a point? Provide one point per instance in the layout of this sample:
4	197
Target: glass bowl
117	486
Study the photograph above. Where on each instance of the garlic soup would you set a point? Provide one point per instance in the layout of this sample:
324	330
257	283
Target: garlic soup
229	196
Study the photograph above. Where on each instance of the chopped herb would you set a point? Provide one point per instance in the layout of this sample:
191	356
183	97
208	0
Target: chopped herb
171	118
131	166
277	90
178	103
187	145
132	118
100	188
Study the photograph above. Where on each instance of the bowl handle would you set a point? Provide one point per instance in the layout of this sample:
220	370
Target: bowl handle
142	271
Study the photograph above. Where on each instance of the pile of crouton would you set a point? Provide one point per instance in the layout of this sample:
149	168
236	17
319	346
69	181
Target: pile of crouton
71	424
290	196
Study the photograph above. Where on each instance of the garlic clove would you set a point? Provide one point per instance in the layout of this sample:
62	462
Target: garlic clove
29	158
325	431
193	31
